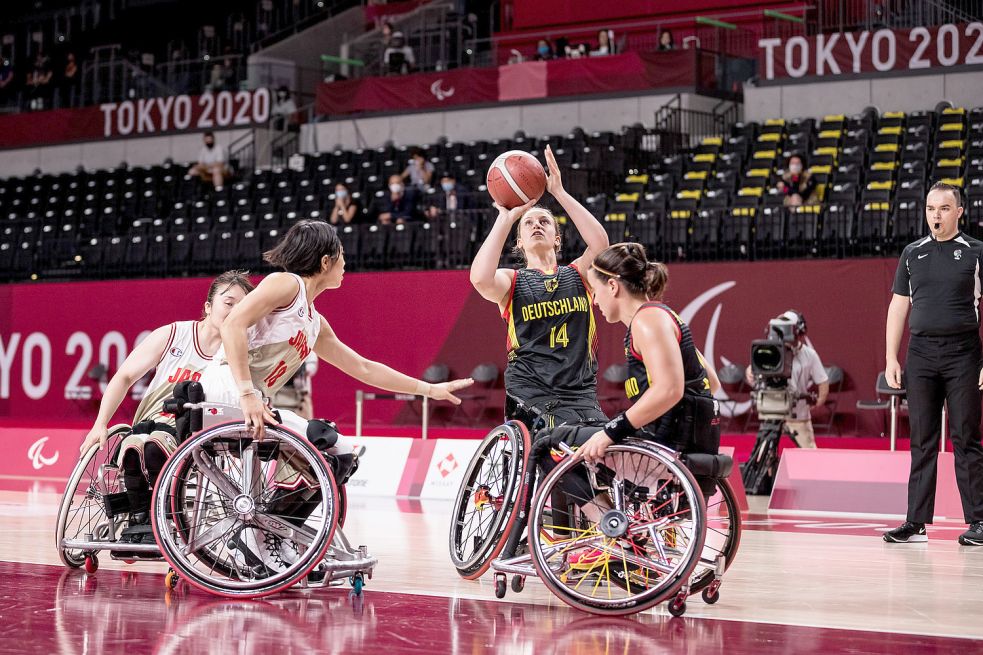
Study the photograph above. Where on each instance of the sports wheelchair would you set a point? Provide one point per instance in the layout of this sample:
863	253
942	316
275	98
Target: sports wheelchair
614	538
231	515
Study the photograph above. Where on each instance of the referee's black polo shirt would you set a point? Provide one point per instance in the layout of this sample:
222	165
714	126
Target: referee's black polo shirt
942	279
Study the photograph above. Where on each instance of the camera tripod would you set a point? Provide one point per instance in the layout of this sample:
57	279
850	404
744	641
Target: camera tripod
758	473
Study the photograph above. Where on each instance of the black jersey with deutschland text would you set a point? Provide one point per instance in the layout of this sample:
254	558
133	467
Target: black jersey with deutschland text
694	368
551	334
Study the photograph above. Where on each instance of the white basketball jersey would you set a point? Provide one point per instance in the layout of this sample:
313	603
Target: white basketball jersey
182	360
281	341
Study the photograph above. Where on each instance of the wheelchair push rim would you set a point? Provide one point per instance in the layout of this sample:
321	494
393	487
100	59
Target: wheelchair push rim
646	544
82	511
485	507
219	511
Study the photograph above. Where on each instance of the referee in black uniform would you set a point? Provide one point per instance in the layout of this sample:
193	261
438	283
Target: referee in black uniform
940	277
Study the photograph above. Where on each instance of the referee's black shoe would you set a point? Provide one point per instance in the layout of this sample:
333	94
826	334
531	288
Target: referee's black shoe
907	533
973	536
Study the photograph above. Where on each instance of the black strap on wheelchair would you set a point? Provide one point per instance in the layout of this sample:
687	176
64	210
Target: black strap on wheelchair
149	425
186	422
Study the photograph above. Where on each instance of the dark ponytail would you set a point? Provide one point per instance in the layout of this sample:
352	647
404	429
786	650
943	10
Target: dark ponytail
628	263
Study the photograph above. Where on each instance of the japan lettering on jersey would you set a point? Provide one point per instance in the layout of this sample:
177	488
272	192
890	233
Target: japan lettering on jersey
183	360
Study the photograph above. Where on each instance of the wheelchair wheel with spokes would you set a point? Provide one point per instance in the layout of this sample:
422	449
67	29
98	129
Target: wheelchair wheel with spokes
241	518
83	514
723	536
633	534
485	508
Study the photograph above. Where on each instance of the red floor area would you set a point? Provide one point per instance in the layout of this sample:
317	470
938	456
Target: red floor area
46	609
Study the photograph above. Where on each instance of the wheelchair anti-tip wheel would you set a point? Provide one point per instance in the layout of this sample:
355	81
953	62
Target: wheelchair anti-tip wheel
723	540
485	509
86	505
242	518
630	537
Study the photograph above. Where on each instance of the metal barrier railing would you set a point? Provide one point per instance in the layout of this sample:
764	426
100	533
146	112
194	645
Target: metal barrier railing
362	396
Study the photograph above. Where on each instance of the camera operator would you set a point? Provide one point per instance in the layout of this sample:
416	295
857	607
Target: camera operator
807	370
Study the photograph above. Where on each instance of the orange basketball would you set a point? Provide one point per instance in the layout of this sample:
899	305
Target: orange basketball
515	178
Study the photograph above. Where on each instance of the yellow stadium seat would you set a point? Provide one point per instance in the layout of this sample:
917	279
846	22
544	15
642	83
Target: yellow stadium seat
626	197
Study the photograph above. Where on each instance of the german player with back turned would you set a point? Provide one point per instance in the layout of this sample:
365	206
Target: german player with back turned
940	278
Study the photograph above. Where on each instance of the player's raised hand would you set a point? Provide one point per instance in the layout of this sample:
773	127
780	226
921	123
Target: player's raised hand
554	183
516	213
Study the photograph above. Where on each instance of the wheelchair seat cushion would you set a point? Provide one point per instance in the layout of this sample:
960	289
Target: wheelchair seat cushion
717	467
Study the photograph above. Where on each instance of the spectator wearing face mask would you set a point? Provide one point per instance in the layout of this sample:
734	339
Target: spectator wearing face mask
544	51
452	197
398	57
398	207
211	164
418	172
797	184
345	207
283	109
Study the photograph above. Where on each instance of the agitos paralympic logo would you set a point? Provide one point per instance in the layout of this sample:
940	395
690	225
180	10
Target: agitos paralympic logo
38	460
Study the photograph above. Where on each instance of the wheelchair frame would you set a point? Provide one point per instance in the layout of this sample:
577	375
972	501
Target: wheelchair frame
704	576
337	559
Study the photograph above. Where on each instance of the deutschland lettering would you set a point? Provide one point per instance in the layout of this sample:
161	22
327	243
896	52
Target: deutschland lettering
560	307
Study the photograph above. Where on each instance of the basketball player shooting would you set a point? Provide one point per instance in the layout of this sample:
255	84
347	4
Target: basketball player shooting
552	365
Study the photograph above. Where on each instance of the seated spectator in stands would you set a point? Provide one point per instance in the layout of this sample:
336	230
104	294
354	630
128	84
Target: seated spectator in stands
418	172
666	42
797	184
6	80
69	81
562	47
544	51
398	58
387	34
605	44
345	208
398	207
39	82
283	110
452	197
211	164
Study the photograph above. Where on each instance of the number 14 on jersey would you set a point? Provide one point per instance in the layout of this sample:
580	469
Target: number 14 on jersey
559	336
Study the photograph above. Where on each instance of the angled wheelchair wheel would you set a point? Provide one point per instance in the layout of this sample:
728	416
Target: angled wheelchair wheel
723	536
241	518
85	513
632	534
485	508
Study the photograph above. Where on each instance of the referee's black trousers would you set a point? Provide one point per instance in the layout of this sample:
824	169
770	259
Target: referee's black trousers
940	369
